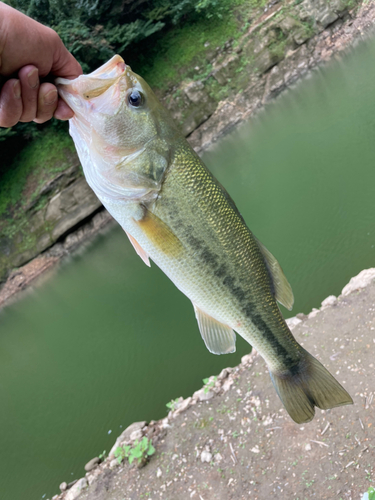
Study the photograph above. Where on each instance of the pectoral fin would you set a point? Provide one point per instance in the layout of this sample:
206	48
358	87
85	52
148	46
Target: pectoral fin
219	338
137	247
283	290
160	234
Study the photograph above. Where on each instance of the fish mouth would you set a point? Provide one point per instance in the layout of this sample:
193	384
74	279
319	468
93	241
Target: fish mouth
113	68
92	85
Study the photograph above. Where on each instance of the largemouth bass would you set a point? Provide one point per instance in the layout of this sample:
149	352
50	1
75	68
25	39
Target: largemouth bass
176	213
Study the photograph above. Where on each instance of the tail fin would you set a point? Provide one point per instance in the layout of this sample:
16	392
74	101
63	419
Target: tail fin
307	386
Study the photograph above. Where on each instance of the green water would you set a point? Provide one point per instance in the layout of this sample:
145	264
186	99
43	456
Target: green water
108	341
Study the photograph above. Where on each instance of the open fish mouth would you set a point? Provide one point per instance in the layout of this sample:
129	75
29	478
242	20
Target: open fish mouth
91	85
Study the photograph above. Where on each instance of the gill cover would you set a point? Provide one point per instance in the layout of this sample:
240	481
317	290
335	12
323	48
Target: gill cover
116	132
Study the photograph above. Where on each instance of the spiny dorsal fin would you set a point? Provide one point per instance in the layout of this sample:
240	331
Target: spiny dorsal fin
283	290
143	255
219	338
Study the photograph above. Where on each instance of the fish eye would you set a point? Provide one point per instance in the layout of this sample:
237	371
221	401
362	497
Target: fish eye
135	98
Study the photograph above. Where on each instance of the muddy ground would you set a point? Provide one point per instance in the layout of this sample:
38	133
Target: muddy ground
240	443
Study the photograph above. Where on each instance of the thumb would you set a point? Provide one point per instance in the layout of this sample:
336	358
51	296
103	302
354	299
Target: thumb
64	63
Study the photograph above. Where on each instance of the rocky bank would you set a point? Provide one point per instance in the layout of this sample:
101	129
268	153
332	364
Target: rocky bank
281	44
233	440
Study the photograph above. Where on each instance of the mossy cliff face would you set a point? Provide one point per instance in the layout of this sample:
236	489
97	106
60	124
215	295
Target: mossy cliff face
277	37
208	94
63	202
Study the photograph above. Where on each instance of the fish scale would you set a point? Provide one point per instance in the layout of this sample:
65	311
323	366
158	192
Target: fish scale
190	185
176	213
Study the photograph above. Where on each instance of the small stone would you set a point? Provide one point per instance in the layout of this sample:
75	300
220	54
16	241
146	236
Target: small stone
92	476
308	447
292	322
362	279
203	395
75	490
158	472
255	449
227	384
165	423
217	458
92	464
329	301
136	435
246	359
327	17
301	316
223	374
63	486
313	313
267	421
181	406
113	463
206	456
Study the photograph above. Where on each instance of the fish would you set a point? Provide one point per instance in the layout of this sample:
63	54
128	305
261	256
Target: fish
178	215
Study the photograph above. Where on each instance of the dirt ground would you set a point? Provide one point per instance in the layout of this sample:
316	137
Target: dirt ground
250	446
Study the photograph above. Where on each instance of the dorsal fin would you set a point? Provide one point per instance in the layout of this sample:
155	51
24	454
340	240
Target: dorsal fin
219	338
283	290
143	255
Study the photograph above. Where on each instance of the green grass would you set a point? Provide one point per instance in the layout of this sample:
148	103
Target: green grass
176	54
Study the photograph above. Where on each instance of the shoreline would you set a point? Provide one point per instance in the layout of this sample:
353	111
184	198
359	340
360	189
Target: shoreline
343	33
213	437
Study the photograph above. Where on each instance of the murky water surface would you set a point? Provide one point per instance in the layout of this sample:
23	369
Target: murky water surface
109	341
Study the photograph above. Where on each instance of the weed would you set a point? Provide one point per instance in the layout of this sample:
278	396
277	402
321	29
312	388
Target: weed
209	383
141	450
277	48
371	493
172	404
205	74
201	424
102	456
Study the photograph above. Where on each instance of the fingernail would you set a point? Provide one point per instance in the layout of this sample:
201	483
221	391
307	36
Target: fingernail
17	90
50	97
33	78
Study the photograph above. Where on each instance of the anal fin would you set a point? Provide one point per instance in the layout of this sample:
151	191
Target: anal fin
283	290
137	247
219	338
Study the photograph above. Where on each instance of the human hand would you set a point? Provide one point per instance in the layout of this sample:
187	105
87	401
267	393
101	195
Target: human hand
31	51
